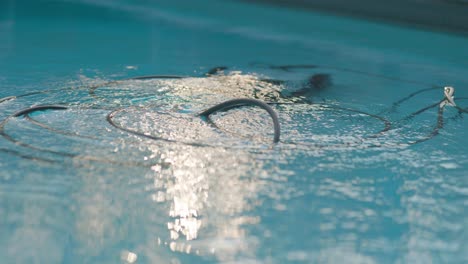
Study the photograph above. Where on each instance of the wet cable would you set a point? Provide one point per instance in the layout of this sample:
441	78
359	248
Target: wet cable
224	106
110	120
234	103
387	125
33	109
448	99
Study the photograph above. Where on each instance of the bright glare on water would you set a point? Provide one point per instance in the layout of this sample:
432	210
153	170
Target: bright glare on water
369	167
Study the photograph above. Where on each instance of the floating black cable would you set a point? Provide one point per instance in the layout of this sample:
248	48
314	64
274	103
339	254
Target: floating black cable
386	124
420	111
62	132
318	77
440	119
28	111
110	120
246	102
435	131
59	153
292	67
411	95
220	107
35	109
91	90
8	98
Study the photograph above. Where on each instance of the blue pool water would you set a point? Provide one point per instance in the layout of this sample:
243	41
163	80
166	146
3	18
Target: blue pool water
338	188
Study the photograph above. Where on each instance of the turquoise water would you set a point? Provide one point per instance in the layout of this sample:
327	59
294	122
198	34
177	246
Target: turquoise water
74	189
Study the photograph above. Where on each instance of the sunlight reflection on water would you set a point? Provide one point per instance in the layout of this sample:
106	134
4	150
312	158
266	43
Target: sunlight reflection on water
225	201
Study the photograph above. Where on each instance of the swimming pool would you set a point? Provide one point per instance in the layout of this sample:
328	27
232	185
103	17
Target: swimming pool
339	186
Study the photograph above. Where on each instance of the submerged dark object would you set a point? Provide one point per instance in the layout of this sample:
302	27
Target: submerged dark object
320	81
288	68
216	70
314	84
311	86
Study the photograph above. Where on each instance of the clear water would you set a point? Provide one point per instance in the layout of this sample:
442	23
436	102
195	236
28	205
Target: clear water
74	189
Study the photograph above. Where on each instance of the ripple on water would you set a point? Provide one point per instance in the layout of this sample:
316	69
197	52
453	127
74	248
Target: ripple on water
334	178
